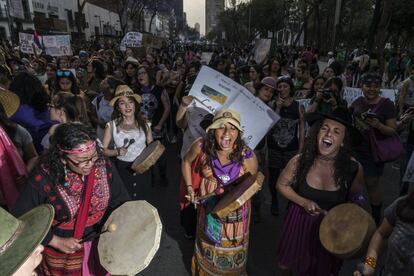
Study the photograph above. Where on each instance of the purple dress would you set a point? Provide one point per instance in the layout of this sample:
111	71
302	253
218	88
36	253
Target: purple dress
300	249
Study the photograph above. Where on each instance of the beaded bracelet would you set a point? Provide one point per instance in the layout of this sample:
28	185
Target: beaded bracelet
371	261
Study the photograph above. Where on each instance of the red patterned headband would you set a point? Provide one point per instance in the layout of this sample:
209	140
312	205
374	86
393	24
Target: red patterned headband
82	149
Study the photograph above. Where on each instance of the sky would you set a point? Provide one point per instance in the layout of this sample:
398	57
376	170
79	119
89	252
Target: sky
195	10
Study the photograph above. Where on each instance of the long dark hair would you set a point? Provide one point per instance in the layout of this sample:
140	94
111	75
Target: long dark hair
405	209
342	163
30	91
141	122
66	136
211	147
73	105
74	88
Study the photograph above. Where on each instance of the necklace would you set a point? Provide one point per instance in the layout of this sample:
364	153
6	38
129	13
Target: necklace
326	158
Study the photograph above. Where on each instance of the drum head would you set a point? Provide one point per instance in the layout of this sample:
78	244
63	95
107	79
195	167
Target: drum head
236	197
346	229
130	248
148	157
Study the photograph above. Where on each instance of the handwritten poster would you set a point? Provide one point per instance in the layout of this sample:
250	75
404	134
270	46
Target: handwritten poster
215	91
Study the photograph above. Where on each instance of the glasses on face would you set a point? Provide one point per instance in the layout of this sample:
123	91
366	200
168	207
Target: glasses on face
142	73
63	73
85	162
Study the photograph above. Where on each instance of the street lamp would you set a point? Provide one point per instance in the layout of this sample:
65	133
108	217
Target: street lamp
100	24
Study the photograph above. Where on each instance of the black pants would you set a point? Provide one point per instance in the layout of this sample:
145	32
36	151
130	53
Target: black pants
159	170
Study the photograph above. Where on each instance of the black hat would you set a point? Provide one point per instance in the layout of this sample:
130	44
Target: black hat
341	115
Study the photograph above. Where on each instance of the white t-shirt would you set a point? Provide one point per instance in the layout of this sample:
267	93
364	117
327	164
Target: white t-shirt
120	137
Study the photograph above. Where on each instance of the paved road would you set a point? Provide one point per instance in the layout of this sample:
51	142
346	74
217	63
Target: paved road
174	255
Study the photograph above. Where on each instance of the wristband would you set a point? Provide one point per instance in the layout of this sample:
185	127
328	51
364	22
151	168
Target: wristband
371	261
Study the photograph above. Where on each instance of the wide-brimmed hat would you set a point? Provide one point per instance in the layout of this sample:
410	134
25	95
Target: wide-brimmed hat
20	237
131	60
124	91
270	82
10	102
341	115
224	116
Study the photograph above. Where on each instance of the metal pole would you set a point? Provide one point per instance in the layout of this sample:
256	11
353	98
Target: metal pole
250	19
336	22
10	21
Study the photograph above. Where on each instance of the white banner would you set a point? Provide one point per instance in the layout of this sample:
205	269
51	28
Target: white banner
261	49
216	91
57	45
17	9
26	43
352	93
132	40
206	57
409	172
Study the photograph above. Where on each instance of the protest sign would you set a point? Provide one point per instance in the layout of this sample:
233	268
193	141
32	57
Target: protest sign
215	91
261	49
352	93
26	44
131	40
305	103
57	45
206	57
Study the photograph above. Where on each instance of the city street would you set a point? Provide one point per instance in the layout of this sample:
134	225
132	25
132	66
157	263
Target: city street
174	255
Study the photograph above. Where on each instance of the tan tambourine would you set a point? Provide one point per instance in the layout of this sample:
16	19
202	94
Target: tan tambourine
239	195
130	248
346	231
148	157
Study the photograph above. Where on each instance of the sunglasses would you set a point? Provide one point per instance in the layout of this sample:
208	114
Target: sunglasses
63	73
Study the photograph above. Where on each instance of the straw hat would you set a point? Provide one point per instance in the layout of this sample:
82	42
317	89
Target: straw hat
10	102
124	91
224	116
20	237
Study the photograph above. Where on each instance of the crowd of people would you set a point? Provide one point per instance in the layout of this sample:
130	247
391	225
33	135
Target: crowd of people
72	126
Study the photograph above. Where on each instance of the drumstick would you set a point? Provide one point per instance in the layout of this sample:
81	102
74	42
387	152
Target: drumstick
129	143
111	228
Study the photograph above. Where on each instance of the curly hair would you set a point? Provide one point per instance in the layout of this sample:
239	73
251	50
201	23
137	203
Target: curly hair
67	136
211	147
342	164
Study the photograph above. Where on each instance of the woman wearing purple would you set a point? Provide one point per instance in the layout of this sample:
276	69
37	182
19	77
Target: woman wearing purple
221	244
322	176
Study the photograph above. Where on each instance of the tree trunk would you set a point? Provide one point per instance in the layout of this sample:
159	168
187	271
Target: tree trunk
382	31
376	17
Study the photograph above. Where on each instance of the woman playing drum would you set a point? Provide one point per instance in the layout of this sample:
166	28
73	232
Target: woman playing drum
221	245
324	175
130	134
81	185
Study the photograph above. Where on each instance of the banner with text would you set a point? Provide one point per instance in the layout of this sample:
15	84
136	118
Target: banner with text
352	93
57	45
131	40
215	91
27	44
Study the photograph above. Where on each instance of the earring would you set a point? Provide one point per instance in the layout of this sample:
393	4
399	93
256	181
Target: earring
66	183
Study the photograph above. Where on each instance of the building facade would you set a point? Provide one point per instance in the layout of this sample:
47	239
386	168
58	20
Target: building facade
213	10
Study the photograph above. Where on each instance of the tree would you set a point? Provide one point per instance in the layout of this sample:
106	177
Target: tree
80	18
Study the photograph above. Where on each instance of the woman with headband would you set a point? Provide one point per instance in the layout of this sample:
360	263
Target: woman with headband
81	185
